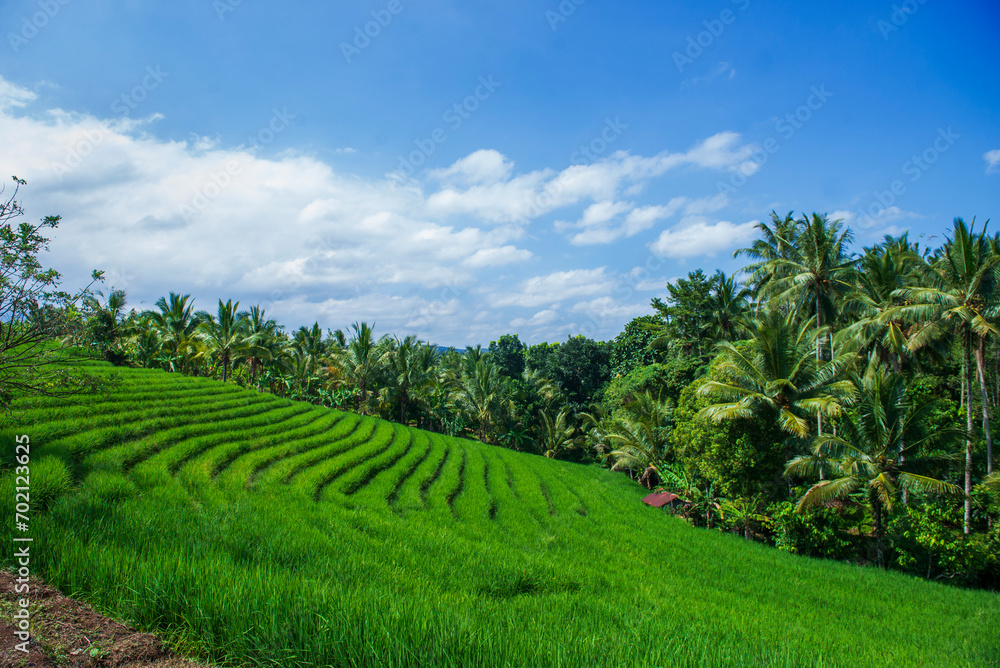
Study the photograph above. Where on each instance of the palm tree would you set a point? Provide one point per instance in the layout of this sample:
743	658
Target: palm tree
261	342
641	437
106	320
817	276
557	435
482	397
883	271
146	343
225	333
310	339
776	243
822	272
774	375
359	363
877	451
410	367
177	323
962	295
303	372
728	306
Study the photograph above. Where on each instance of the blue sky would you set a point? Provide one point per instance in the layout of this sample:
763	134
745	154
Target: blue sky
464	170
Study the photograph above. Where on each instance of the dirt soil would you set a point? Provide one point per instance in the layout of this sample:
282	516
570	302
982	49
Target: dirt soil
67	633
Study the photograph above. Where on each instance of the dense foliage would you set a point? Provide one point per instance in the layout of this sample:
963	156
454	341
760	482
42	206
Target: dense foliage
833	403
258	531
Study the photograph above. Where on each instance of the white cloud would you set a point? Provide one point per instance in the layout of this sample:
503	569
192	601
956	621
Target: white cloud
992	159
12	95
554	288
607	308
605	222
194	216
311	243
490	193
540	319
484	167
696	236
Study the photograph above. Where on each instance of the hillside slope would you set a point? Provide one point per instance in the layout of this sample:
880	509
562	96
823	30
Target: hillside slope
260	531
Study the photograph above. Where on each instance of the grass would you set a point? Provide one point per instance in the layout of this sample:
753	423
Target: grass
257	531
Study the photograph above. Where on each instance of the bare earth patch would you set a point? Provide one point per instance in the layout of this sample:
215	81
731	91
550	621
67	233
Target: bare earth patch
67	633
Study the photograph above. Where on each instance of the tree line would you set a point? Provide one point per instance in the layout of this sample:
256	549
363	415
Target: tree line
830	402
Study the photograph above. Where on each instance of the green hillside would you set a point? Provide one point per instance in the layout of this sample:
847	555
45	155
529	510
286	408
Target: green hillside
253	530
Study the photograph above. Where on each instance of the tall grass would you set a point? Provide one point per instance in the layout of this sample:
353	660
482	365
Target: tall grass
257	531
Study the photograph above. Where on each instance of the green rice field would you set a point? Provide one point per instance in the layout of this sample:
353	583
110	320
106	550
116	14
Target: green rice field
255	531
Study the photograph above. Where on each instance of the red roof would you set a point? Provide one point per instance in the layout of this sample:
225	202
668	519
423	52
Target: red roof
659	499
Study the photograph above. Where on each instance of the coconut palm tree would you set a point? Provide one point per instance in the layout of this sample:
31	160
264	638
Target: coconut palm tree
106	320
641	437
177	323
225	333
777	242
359	363
311	340
883	271
728	306
410	368
879	450
482	397
557	435
774	376
960	293
261	342
817	279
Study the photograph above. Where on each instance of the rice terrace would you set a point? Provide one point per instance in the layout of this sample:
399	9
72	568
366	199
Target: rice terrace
504	334
254	530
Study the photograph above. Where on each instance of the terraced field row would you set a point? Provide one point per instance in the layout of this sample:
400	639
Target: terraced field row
211	433
259	531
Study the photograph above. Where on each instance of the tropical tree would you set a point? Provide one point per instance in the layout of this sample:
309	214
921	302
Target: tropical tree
880	449
688	313
224	333
106	320
410	369
311	340
960	294
483	397
778	243
883	272
177	323
728	307
773	376
360	361
557	435
818	276
261	343
32	308
641	437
